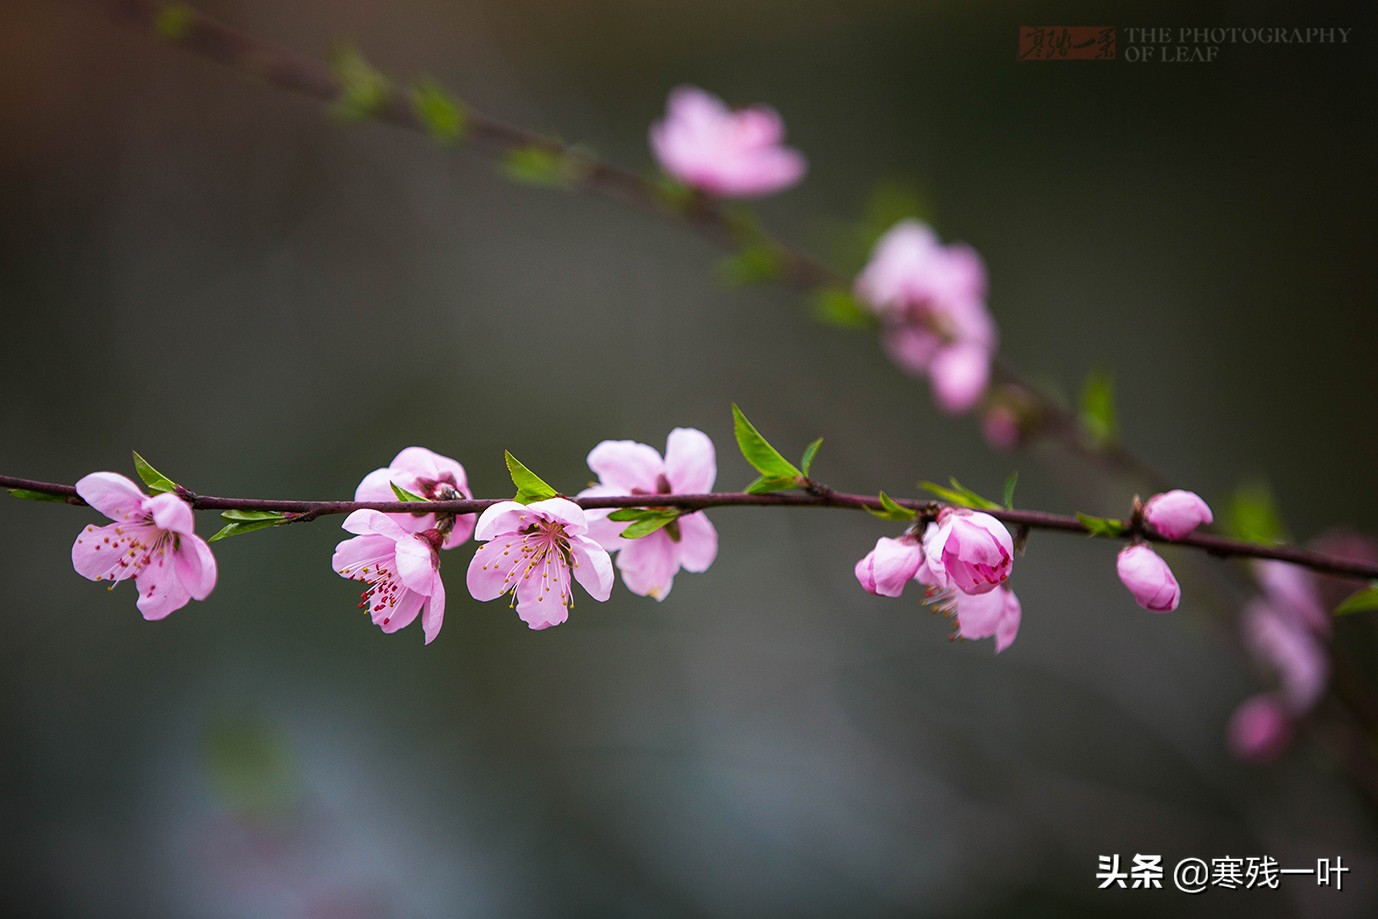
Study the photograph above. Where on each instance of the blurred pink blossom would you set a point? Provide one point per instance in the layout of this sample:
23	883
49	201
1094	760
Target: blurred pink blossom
535	552
931	300
1175	514
1259	730
624	467
707	146
1148	578
151	541
401	569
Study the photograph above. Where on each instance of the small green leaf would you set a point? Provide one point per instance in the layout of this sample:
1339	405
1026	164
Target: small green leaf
755	264
960	495
891	510
530	487
173	20
840	308
627	514
1009	490
1098	419
1252	514
363	90
759	453
404	495
650	523
809	453
1107	527
767	484
155	480
441	114
1359	601
239	528
542	166
29	494
238	516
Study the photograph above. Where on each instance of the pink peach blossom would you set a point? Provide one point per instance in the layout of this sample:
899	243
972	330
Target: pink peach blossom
886	569
535	552
427	475
401	569
930	299
993	614
151	541
1280	636
968	550
730	154
1175	514
1148	578
624	467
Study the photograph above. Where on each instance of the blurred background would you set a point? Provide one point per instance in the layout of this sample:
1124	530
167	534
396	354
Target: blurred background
265	302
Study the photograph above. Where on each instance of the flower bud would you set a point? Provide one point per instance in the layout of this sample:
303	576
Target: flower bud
1148	578
970	551
890	565
1174	514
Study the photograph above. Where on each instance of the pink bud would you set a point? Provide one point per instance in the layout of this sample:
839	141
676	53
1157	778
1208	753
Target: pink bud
970	551
1174	514
890	565
1148	578
1259	730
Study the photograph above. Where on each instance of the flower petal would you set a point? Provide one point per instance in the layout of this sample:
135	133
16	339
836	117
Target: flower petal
488	569
626	465
416	564
648	565
691	464
698	542
503	517
102	553
371	522
160	591
433	615
392	618
369	551
562	511
113	495
196	567
171	513
592	567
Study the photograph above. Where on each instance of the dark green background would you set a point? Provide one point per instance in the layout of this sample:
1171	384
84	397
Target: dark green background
264	302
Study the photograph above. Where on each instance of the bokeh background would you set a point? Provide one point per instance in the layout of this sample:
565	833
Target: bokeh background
265	302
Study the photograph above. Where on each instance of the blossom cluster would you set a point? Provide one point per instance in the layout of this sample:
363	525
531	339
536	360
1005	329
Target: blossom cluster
963	559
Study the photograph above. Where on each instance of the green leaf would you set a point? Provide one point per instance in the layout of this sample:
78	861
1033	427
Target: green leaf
840	308
1098	419
28	494
542	166
363	90
238	516
155	480
1107	527
1359	601
892	201
756	264
1252	514
239	528
627	514
442	114
1009	490
530	487
960	495
650	523
674	196
767	484
764	458
809	453
173	20
404	495
891	510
